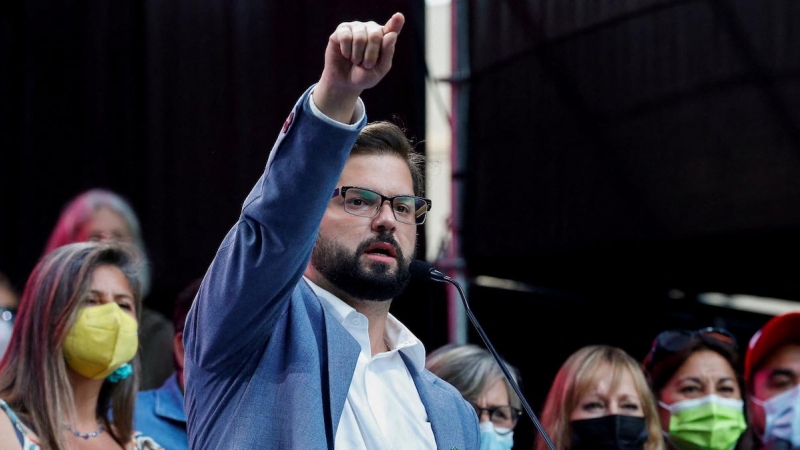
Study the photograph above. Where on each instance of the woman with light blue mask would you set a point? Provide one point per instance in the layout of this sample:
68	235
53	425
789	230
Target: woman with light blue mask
694	376
772	376
480	379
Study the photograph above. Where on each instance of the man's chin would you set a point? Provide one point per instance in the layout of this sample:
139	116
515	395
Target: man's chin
380	266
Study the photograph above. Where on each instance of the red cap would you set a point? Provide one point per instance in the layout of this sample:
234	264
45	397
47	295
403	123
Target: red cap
779	330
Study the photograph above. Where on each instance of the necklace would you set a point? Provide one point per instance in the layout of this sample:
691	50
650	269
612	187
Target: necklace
94	433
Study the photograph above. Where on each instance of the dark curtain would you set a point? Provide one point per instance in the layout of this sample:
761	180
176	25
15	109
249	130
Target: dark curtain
652	140
622	157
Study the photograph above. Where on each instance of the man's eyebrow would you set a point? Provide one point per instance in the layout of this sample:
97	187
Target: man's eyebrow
781	371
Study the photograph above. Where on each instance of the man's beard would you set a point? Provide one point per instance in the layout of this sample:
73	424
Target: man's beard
343	270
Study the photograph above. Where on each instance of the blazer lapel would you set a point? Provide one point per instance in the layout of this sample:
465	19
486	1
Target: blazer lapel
443	414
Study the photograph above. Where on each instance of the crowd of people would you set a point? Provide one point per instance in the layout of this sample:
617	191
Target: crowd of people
287	341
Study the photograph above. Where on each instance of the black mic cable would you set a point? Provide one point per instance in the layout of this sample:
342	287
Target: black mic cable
425	271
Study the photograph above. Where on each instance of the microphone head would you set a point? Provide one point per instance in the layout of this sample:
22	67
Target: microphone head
420	270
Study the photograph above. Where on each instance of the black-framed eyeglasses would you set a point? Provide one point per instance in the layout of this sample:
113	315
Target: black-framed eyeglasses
8	314
505	416
365	202
671	341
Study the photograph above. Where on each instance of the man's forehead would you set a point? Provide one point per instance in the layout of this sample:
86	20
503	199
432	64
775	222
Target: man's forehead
387	174
785	357
375	159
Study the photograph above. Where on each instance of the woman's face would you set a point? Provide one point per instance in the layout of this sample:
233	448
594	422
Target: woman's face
8	298
493	397
705	372
110	285
104	225
601	400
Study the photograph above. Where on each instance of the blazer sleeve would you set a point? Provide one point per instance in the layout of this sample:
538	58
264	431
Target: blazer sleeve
249	283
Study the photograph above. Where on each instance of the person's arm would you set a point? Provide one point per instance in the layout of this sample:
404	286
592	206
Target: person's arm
248	285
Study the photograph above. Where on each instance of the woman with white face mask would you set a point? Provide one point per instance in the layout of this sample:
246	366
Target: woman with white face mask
69	376
694	377
477	375
772	377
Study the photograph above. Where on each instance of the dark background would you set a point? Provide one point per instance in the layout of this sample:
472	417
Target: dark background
622	157
618	157
174	105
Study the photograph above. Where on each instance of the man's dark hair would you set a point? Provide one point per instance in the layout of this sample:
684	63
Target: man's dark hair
385	138
183	303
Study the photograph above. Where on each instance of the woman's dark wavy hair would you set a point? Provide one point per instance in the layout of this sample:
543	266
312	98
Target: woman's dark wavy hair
33	373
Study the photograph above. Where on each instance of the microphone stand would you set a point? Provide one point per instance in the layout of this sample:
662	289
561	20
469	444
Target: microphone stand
438	276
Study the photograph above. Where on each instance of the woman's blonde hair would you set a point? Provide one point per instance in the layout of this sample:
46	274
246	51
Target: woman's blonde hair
578	375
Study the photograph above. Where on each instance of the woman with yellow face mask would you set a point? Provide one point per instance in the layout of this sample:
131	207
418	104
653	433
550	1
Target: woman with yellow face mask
68	379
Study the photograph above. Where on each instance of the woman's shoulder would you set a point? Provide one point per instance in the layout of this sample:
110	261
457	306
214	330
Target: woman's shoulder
142	442
12	429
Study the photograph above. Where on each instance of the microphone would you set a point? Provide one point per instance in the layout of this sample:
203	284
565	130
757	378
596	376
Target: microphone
422	270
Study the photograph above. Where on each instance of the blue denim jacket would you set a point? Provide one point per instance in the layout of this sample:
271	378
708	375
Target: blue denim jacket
160	414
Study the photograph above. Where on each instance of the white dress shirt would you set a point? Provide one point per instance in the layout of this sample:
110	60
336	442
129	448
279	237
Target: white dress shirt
383	410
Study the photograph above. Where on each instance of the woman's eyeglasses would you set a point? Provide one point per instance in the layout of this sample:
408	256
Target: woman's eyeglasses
505	416
671	341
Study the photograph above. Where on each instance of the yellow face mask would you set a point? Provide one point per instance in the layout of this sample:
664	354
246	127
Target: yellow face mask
103	339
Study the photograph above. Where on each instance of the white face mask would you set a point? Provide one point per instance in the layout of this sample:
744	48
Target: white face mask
783	416
491	439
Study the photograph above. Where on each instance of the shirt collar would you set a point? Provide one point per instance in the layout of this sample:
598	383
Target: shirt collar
398	336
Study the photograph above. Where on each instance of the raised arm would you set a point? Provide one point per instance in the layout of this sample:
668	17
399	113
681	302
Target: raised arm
251	335
264	255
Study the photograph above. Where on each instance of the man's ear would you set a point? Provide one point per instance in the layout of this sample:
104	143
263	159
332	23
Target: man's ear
177	349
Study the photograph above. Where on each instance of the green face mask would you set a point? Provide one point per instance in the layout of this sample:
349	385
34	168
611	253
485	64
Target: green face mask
707	423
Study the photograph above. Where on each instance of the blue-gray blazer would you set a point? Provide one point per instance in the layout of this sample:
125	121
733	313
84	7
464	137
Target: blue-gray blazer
266	367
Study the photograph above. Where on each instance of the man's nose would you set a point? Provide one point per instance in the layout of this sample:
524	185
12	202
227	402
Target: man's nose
385	217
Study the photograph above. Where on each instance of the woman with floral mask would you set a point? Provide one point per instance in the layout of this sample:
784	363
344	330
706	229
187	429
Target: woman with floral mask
600	400
477	375
68	378
694	375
